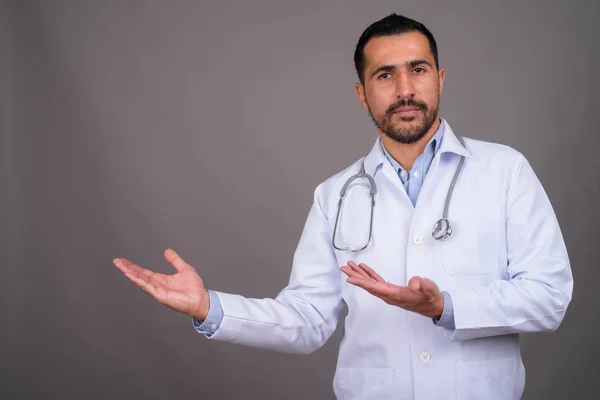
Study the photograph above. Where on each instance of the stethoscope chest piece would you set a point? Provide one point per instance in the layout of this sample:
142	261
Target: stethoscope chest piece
441	229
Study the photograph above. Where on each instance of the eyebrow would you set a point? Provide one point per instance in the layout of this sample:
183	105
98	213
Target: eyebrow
390	68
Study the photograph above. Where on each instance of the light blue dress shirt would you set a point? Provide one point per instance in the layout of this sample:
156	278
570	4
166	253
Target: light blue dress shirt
213	319
412	181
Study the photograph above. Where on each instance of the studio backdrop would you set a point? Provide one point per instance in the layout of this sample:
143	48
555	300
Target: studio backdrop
132	126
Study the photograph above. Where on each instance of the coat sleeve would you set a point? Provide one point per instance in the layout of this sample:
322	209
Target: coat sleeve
539	287
305	313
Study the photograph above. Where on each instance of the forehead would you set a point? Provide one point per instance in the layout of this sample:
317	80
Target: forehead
397	49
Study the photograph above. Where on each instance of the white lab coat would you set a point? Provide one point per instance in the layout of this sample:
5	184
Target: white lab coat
505	267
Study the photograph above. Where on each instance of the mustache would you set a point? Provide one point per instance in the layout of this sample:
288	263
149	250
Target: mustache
406	103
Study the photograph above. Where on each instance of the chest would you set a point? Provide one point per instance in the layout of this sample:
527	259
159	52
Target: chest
399	235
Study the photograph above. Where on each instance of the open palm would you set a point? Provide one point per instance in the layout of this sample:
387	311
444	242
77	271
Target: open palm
421	295
183	291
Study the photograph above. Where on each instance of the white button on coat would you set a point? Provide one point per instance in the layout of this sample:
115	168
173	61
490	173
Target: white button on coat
417	240
425	357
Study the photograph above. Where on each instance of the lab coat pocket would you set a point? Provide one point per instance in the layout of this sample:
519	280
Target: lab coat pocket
495	379
364	383
469	252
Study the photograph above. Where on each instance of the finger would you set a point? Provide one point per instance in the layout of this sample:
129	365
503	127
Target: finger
361	283
175	260
371	286
143	283
371	273
350	272
399	293
143	275
355	275
391	294
367	286
127	266
358	270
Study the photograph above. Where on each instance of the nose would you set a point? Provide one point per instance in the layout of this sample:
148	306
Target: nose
404	87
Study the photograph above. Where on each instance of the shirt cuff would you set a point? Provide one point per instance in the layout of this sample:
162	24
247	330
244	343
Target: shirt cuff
447	318
214	318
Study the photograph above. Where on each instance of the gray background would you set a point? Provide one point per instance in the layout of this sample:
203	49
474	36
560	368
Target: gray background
132	126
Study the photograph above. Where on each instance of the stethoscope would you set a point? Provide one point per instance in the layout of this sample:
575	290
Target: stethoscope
441	229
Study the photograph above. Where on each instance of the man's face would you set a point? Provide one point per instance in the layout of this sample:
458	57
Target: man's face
402	86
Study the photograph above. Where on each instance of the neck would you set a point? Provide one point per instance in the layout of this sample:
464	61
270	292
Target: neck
406	154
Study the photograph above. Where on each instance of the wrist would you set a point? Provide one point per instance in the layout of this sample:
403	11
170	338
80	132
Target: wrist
438	307
201	312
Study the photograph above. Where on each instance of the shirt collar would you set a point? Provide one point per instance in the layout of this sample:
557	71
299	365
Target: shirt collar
448	143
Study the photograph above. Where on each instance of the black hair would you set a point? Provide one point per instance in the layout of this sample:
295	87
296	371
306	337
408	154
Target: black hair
393	24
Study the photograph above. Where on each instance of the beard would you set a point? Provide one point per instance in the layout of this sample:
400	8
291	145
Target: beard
409	134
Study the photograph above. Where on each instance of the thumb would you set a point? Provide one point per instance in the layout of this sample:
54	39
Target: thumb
415	284
175	260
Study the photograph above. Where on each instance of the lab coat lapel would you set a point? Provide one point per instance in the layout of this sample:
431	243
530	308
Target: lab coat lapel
377	163
451	144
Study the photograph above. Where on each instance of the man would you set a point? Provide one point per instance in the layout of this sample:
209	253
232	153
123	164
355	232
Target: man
454	301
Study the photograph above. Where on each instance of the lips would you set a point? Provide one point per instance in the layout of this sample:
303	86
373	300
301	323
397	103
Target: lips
406	110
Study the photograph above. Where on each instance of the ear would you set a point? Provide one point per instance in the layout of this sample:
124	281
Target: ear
360	93
441	79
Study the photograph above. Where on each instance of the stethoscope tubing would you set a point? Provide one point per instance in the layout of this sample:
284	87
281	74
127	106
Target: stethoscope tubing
441	229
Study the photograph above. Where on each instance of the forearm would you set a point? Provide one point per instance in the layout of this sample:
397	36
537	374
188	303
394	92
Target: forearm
304	314
508	307
286	323
538	286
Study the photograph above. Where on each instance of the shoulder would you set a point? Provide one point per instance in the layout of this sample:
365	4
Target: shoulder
486	151
499	160
494	155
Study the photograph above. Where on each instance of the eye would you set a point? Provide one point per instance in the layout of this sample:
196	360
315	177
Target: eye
419	70
385	75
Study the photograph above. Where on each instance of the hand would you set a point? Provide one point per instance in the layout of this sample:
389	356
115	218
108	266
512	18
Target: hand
421	295
183	291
